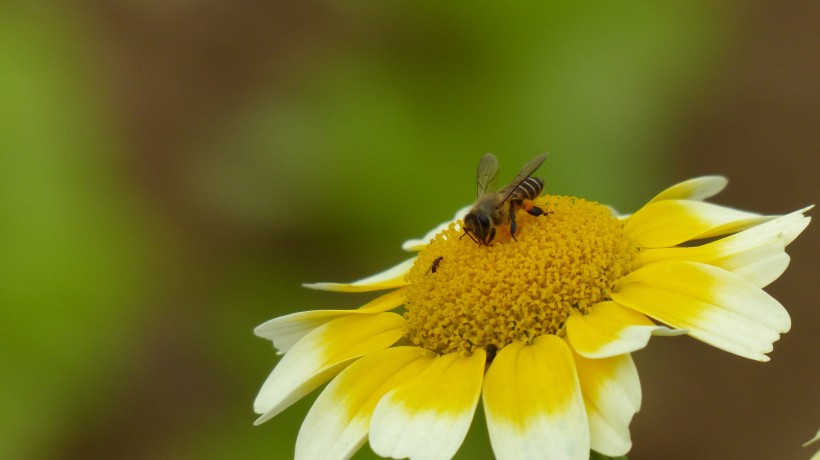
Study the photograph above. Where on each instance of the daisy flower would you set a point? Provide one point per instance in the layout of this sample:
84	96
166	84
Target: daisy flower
538	328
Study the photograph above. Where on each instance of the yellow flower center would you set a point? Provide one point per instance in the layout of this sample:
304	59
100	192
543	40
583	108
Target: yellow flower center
463	296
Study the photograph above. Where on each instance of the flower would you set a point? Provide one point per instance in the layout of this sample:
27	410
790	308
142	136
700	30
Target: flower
539	328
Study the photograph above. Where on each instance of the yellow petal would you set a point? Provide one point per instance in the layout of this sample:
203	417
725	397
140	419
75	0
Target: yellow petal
321	354
611	329
672	222
533	402
429	416
338	422
716	306
756	254
389	279
612	396
385	302
697	189
286	330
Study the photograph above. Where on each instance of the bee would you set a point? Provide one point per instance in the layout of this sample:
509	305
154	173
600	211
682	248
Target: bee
492	208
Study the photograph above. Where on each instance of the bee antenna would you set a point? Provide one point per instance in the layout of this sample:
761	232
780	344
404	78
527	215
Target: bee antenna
470	235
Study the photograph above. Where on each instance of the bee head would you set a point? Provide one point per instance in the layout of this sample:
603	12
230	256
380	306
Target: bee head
479	228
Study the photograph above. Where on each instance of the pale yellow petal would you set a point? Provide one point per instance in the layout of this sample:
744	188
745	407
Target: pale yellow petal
714	305
756	254
386	302
416	245
389	279
812	441
697	189
612	395
672	222
321	354
285	331
533	402
428	417
338	422
611	329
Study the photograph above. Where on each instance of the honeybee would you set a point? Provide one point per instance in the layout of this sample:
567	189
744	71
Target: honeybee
492	208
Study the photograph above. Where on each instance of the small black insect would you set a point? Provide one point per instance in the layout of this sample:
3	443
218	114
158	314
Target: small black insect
491	351
436	262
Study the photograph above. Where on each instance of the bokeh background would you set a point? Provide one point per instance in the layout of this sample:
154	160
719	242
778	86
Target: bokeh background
171	171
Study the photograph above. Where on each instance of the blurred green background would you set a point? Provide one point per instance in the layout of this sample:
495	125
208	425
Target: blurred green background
171	171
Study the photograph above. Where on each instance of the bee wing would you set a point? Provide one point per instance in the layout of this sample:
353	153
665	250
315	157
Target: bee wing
525	172
485	175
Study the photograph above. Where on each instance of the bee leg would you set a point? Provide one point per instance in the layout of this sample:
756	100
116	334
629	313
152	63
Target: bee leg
535	211
532	209
513	225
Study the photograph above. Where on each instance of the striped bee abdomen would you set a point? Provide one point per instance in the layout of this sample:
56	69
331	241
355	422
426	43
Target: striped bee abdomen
529	189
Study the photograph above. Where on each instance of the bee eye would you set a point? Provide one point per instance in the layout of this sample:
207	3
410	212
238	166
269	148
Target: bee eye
470	222
484	221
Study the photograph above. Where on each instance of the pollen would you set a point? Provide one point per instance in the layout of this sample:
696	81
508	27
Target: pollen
463	296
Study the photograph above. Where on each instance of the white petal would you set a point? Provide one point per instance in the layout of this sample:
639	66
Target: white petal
321	354
286	330
716	306
611	329
612	395
697	189
428	417
671	222
756	254
389	279
533	402
615	213
337	424
814	440
416	245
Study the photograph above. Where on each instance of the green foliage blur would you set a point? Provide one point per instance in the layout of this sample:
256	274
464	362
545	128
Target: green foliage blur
153	214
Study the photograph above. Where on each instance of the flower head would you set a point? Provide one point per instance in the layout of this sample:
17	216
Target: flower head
539	327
